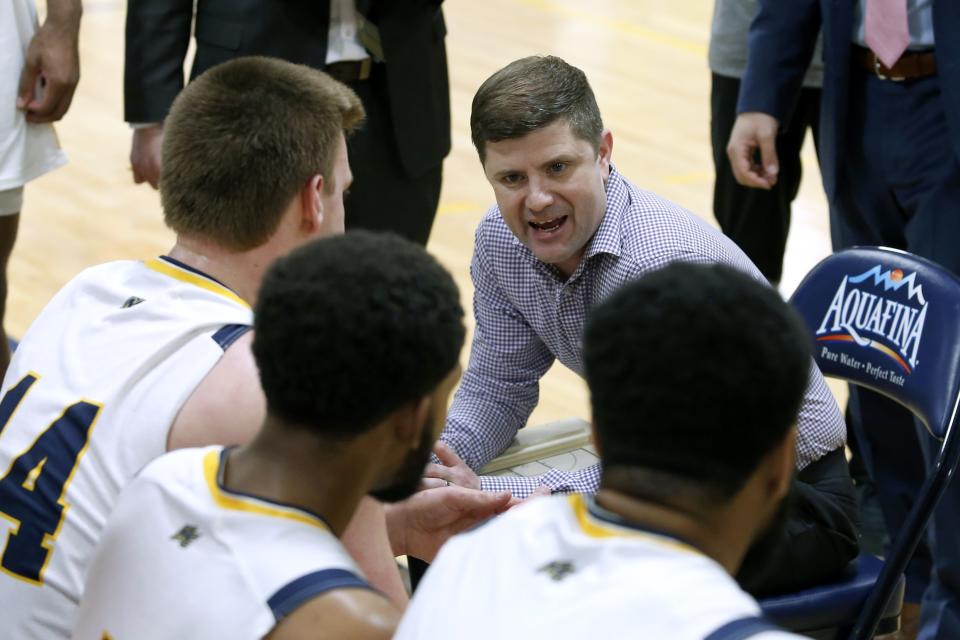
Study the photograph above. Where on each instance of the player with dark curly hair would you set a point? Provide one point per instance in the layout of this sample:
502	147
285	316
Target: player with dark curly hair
357	342
696	376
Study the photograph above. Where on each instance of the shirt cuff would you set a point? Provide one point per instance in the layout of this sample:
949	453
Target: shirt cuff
586	480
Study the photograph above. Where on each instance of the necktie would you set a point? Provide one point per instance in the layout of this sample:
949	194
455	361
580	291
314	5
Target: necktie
886	30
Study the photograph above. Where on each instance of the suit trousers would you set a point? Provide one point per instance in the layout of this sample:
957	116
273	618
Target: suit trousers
384	197
816	534
900	188
757	220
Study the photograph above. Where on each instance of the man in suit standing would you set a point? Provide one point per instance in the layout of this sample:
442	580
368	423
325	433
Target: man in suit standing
390	52
890	157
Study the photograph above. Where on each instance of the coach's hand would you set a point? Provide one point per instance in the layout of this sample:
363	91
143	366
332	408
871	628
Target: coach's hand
451	470
145	154
754	132
420	525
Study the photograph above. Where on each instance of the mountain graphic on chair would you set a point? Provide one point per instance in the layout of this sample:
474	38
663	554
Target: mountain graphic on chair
881	309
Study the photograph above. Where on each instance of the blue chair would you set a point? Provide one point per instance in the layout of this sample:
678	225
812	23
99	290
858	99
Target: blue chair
889	321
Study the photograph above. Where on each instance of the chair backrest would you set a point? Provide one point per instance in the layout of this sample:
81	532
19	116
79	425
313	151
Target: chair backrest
890	321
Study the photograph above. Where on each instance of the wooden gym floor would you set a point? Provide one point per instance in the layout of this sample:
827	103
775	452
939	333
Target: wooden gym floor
646	61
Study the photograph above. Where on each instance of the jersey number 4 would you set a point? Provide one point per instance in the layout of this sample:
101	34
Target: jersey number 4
32	489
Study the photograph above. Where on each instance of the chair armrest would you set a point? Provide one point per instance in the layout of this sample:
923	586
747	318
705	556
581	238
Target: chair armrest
540	442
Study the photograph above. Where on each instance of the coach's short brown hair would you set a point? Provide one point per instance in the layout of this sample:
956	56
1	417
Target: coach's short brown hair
529	94
242	139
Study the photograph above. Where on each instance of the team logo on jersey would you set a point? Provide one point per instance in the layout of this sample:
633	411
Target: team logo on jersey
557	570
186	536
882	310
132	301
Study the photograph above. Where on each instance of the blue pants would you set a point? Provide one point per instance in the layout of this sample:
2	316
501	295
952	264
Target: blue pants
900	187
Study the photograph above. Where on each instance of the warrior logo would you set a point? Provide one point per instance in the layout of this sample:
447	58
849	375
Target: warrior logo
892	327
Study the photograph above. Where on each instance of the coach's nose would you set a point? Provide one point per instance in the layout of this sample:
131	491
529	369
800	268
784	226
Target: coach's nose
539	195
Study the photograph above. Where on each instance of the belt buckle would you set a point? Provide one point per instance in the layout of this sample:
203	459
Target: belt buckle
365	67
876	69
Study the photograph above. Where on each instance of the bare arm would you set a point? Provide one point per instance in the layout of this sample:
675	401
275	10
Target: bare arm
367	541
227	407
53	61
342	614
420	525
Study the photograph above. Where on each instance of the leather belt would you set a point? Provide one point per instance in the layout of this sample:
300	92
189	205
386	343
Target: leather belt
911	65
350	70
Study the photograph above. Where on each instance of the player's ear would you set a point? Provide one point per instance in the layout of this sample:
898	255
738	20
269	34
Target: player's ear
595	441
410	420
782	464
311	203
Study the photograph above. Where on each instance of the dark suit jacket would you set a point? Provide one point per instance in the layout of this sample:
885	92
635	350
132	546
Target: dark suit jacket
412	34
782	38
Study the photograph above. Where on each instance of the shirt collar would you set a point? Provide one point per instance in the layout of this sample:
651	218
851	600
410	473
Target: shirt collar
607	238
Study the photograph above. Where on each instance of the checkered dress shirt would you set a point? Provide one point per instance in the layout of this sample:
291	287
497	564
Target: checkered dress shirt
527	315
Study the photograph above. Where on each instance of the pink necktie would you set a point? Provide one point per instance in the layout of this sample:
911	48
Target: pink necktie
887	33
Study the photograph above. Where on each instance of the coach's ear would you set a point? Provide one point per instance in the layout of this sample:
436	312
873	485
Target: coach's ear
605	152
311	203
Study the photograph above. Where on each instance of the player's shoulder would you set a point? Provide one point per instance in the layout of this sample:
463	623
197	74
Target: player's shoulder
657	231
181	465
339	613
101	275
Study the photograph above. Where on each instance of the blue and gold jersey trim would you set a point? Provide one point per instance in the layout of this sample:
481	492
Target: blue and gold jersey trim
230	333
598	523
235	501
184	273
293	594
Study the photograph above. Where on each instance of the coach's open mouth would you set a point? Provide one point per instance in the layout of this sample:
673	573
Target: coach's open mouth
549	226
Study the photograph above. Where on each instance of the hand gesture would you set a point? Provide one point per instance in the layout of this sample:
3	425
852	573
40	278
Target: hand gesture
421	524
451	470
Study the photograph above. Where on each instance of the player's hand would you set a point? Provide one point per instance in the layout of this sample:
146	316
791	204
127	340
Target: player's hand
145	154
421	524
753	132
51	70
451	470
542	490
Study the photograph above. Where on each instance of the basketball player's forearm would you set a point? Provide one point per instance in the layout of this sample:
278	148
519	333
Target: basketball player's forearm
65	14
368	541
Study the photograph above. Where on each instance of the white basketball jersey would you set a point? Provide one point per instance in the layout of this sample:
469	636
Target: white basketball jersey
89	398
561	567
183	558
